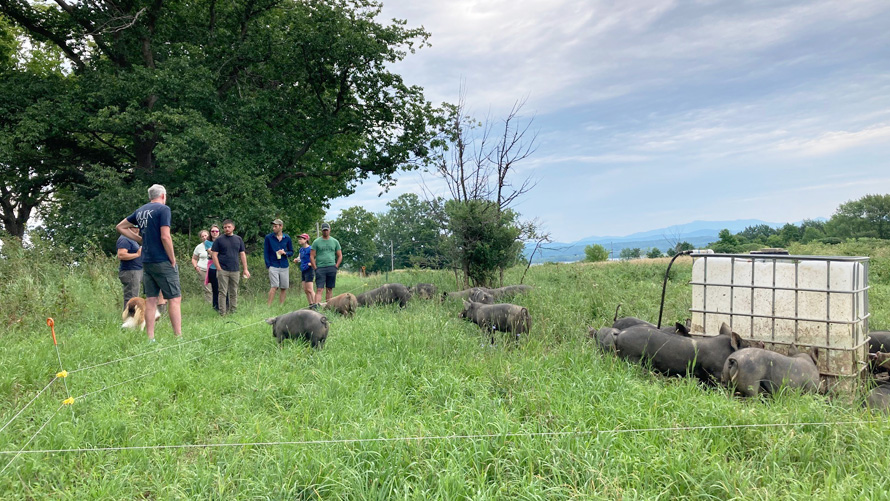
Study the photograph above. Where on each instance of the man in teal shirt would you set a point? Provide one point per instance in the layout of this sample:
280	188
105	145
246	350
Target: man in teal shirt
326	257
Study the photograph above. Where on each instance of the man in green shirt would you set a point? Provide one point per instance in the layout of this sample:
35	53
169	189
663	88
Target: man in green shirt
326	257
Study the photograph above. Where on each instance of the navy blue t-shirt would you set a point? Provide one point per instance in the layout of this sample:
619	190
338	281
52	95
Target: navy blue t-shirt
149	218
229	249
132	248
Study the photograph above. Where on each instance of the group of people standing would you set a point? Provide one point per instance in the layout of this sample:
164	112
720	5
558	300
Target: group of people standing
145	251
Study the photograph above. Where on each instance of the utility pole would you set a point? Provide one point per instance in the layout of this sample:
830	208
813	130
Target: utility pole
392	258
317	230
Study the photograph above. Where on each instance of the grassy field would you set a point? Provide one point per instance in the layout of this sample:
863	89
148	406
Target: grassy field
402	404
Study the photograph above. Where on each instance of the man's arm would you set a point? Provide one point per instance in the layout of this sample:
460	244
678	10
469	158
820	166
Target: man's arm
125	255
167	242
125	228
244	263
267	248
289	247
215	256
339	258
312	259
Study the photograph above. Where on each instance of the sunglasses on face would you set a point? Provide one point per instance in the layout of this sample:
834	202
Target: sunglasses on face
214	231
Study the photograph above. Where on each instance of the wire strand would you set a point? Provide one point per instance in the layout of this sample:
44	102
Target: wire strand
443	437
179	345
29	403
31	439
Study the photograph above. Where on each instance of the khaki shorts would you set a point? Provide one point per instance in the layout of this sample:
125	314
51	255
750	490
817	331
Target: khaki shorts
279	277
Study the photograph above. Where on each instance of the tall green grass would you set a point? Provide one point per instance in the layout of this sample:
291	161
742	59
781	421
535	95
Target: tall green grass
396	374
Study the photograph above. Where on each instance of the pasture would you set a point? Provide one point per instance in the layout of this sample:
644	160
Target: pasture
409	403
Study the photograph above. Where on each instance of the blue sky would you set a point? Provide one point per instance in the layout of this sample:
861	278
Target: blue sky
654	112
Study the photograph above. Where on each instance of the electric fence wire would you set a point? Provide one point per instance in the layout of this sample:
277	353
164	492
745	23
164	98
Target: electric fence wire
444	437
31	439
178	345
29	403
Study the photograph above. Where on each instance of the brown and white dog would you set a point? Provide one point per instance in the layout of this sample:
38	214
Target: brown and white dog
134	314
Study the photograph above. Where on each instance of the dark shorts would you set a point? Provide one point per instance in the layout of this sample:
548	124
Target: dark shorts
161	277
308	275
326	277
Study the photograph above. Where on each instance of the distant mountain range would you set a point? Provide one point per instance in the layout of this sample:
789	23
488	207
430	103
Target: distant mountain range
697	233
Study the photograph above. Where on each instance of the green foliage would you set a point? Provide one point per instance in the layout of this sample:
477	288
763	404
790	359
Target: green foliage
595	253
482	240
868	216
413	227
654	252
680	247
241	109
631	253
356	229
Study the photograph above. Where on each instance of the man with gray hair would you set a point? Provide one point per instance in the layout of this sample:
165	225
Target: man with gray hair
159	270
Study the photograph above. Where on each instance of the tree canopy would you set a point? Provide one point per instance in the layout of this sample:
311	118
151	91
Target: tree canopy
242	109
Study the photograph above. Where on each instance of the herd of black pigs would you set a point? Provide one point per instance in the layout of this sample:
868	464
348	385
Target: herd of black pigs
742	365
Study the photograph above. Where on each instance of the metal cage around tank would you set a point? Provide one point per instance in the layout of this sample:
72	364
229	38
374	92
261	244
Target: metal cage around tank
779	300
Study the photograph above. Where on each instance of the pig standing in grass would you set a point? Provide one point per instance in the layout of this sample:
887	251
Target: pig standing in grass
754	370
424	291
310	325
345	304
385	294
502	317
464	294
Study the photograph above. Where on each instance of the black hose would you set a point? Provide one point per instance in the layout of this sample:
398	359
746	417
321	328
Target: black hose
664	286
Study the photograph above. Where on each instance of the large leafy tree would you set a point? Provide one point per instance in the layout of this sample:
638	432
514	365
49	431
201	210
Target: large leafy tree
868	216
356	229
410	233
242	109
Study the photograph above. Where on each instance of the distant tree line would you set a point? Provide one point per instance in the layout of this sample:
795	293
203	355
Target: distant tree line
867	217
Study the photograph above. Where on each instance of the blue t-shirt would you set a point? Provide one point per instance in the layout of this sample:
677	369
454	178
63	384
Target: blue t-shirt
149	218
132	248
270	247
207	245
305	258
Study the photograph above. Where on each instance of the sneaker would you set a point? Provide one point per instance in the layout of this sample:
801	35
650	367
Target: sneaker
313	306
152	340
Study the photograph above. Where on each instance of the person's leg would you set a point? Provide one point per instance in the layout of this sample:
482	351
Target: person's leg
206	288
328	294
214	287
152	289
273	284
151	306
283	283
130	280
175	315
233	291
319	283
223	278
330	283
309	291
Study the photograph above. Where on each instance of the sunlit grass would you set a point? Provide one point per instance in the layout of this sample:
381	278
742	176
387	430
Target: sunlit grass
418	372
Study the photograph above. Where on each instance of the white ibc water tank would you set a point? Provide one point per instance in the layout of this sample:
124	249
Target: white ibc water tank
803	301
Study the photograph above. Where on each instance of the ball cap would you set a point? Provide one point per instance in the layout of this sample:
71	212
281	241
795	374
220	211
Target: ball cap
325	226
304	236
278	221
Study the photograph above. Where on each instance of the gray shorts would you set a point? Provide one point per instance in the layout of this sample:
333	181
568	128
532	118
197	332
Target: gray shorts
279	277
161	277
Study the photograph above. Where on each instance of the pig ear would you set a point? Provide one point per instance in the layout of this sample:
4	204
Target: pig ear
682	329
735	340
466	304
725	330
